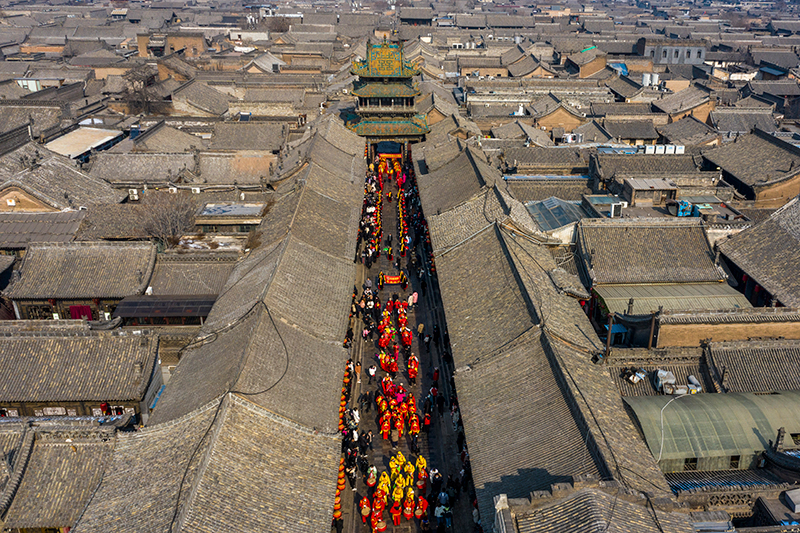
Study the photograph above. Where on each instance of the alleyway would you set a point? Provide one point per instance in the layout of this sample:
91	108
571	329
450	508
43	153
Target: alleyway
440	444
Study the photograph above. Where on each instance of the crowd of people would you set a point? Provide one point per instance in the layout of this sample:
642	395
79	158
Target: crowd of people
408	489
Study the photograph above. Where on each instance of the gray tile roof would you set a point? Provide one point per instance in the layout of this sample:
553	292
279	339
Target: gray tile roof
645	251
606	166
534	159
465	220
504	314
770	253
44	117
41	367
513	406
164	139
17	230
631	129
536	189
63	470
756	159
139	168
139	490
687	130
227	168
594	511
755	366
53	179
84	270
113	221
204	98
454	183
621	108
191	273
233	482
248	136
683	100
743	121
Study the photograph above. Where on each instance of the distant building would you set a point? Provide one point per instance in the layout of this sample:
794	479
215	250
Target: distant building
386	98
672	51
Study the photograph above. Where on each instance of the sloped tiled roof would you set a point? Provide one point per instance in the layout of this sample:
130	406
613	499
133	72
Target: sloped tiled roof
607	166
84	270
646	251
92	367
203	97
181	474
464	177
743	120
53	179
687	130
17	230
755	366
594	511
191	274
137	168
502	400
770	253
631	129
60	475
756	159
248	136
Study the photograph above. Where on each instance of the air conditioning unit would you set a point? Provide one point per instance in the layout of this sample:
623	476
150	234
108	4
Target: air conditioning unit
660	149
11	202
133	194
669	149
195	190
173	190
616	210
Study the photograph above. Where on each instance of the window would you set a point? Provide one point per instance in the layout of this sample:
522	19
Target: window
795	438
652	53
734	462
664	53
246	228
676	54
688	54
690	464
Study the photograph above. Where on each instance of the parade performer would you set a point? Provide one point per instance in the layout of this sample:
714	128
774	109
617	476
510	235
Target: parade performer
365	509
408	505
396	512
413	369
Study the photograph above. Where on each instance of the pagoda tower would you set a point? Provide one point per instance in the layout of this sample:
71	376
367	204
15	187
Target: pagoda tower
385	105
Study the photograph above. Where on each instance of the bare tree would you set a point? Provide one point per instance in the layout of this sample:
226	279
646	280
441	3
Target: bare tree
275	24
139	93
167	217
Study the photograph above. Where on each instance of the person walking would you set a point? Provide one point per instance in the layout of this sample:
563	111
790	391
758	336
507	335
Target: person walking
427	344
371	371
440	403
358	371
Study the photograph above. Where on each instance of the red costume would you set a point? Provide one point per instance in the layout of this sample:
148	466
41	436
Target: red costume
413	367
365	509
408	509
396	512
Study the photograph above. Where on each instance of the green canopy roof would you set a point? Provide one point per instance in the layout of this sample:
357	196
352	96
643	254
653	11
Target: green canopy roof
713	425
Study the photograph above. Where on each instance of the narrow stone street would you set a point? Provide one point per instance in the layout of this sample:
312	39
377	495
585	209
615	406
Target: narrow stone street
440	444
